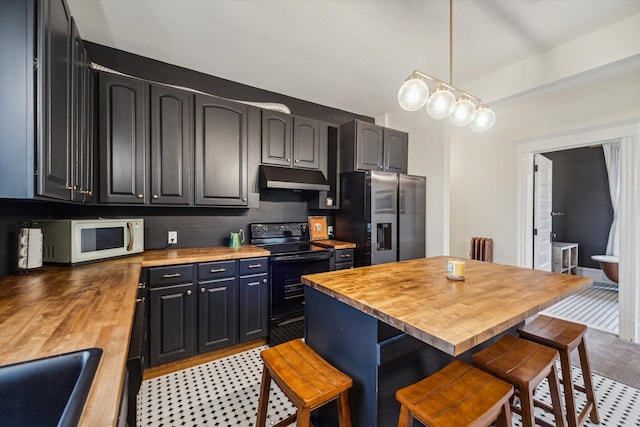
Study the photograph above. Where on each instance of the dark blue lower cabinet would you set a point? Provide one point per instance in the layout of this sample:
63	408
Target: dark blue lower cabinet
254	306
217	314
171	323
207	306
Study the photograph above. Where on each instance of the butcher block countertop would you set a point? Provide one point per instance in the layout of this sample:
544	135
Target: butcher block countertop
65	309
454	316
335	244
218	253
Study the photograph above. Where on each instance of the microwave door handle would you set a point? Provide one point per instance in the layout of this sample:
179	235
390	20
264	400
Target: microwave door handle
131	237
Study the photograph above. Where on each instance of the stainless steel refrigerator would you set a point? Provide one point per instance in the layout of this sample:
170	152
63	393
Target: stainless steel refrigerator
383	214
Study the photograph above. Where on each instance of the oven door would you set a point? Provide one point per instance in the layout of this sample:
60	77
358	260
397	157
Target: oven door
287	290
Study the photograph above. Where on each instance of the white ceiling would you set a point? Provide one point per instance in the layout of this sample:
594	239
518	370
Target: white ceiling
351	55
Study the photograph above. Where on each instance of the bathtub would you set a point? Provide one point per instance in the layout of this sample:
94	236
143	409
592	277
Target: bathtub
609	265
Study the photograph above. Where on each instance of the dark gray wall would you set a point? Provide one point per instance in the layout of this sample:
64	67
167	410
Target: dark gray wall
581	191
196	227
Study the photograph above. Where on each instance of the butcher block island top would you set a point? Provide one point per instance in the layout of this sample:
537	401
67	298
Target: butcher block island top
453	316
65	309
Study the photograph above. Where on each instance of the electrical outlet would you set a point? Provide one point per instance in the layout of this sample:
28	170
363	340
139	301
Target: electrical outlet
173	237
330	230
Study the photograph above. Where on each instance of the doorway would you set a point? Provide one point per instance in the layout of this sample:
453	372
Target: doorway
628	133
572	206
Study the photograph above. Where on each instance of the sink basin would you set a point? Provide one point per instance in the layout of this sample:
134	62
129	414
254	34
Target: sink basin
47	392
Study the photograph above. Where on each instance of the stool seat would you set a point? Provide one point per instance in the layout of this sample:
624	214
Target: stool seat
554	333
457	395
566	336
306	379
524	364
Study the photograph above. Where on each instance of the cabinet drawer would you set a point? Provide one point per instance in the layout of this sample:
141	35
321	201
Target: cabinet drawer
216	270
343	265
344	255
160	276
254	266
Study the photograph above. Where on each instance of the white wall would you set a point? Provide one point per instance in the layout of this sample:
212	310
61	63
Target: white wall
484	167
428	156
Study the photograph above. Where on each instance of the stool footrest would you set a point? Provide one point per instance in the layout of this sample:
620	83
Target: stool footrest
289	420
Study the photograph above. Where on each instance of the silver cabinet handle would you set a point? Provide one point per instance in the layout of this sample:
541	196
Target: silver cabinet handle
218	270
296	160
168	276
202	290
253	283
140	196
345	255
155	196
143	299
255	265
189	292
142	285
264	280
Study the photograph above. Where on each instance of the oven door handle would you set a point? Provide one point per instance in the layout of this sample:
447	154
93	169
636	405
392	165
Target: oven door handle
290	321
301	257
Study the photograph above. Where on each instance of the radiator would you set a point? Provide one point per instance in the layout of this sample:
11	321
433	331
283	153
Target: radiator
481	249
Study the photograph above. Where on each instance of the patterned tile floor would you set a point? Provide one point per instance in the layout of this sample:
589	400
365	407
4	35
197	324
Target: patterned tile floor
596	307
225	392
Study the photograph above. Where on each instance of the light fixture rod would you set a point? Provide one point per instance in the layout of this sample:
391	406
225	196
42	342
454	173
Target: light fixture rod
450	42
466	110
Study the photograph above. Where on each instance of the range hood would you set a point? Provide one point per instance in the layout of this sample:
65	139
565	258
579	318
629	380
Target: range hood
292	179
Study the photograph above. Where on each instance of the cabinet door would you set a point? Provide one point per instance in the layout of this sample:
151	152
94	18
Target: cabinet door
171	325
221	152
217	314
307	142
81	109
54	68
396	145
123	139
276	138
171	146
254	305
369	146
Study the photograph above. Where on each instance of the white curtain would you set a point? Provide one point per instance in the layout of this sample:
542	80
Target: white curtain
612	160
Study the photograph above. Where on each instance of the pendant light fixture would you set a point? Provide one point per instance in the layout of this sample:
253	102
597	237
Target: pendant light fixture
463	111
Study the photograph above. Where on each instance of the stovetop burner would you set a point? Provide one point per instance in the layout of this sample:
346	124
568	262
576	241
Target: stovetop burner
293	248
283	238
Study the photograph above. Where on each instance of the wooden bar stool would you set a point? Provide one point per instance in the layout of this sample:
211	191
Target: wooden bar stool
524	364
457	395
306	379
565	336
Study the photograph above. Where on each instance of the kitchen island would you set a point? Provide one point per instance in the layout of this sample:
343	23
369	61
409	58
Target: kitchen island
389	325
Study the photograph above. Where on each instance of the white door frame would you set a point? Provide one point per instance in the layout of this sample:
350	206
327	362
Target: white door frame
629	134
542	244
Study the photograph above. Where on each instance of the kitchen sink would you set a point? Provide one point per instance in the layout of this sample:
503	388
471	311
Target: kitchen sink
50	391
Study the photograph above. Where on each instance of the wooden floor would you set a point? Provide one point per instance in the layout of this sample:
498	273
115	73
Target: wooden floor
597	307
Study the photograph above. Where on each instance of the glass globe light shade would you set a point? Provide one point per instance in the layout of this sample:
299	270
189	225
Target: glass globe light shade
485	119
413	94
441	103
464	112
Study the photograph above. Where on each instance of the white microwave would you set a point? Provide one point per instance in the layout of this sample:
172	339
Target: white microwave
73	241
